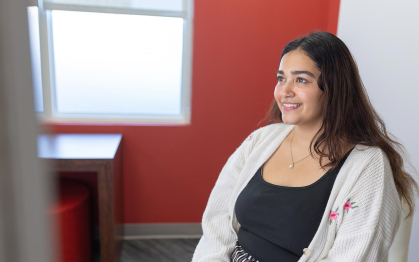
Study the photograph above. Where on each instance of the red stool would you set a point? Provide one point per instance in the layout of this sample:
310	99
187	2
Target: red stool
73	214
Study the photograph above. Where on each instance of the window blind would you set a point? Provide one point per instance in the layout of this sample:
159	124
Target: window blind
117	6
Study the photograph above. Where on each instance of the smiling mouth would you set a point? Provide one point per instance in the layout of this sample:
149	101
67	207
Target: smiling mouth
290	106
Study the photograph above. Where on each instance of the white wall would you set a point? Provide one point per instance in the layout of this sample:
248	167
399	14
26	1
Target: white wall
383	36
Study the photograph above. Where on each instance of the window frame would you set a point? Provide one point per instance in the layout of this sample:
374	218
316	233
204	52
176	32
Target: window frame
50	114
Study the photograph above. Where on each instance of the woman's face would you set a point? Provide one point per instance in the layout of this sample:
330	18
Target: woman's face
297	93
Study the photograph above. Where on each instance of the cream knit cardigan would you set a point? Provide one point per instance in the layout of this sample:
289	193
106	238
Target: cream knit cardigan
364	233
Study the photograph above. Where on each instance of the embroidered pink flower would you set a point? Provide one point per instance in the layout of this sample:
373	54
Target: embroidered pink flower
346	207
249	137
349	205
333	215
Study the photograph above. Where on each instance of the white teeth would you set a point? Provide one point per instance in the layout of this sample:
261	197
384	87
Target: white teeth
291	105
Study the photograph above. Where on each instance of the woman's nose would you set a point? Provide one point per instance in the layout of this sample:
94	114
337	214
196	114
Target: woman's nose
286	89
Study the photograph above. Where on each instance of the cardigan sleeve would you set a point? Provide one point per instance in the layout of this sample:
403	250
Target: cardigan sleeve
368	219
218	239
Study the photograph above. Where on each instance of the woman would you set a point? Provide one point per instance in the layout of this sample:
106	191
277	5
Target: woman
327	184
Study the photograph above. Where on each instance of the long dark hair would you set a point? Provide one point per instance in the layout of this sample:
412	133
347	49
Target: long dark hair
348	115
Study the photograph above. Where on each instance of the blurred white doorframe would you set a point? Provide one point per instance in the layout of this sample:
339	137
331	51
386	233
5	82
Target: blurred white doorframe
25	190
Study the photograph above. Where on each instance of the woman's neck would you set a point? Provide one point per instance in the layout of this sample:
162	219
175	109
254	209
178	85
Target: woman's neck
304	134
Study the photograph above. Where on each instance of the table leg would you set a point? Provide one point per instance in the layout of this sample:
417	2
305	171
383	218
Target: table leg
106	214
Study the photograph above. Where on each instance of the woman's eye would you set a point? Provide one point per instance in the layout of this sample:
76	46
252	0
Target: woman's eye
280	79
301	80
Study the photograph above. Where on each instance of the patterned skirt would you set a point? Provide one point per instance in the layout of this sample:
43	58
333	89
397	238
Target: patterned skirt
239	255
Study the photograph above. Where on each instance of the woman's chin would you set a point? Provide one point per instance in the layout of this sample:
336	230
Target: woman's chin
288	121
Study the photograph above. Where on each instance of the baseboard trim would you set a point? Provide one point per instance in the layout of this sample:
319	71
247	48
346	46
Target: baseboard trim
159	231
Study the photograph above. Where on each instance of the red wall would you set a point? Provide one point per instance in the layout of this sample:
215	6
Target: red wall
169	171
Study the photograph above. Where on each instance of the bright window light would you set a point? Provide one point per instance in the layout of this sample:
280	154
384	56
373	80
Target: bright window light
117	63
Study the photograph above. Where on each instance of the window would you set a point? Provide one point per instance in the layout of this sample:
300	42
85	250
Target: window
112	61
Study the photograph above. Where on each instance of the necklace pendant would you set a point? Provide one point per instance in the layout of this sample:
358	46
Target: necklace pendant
292	166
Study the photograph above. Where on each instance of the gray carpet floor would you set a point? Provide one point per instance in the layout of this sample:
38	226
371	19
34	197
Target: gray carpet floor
155	250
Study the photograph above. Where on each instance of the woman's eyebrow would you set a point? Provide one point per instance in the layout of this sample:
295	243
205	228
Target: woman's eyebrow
297	73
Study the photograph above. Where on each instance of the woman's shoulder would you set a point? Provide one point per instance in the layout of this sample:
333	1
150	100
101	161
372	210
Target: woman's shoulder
374	166
371	153
268	129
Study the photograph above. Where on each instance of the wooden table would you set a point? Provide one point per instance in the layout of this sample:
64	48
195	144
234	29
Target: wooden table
101	153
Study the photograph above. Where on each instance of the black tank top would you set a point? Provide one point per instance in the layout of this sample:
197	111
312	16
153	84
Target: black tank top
278	222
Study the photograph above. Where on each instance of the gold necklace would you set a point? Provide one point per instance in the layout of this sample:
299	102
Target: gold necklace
293	163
